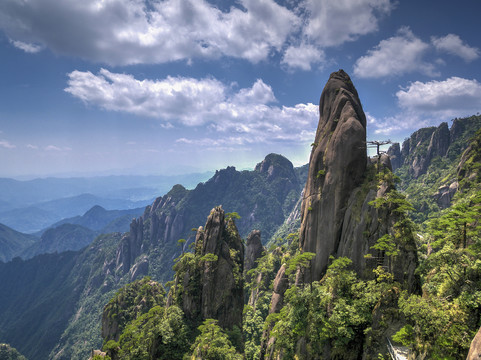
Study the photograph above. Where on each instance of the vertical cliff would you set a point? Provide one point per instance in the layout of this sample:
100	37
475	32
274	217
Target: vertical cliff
336	166
212	285
349	200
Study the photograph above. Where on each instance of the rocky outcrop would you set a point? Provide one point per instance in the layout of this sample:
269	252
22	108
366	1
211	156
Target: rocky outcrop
214	289
162	223
133	300
469	168
426	144
445	194
394	153
280	173
337	164
440	141
475	348
253	250
281	284
339	217
364	224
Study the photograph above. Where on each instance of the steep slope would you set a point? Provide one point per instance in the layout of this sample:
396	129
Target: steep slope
12	243
62	238
428	164
9	353
209	284
37	297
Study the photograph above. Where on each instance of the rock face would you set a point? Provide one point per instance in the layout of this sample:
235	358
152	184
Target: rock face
425	144
162	223
469	168
445	194
338	215
263	198
281	284
475	349
254	250
215	289
337	164
364	224
394	153
279	171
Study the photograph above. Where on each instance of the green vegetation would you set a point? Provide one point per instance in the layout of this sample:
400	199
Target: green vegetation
9	353
213	344
334	312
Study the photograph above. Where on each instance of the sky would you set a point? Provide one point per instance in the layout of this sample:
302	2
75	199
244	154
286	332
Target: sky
101	87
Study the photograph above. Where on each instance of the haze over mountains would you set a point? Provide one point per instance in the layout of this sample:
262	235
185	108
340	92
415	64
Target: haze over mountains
33	205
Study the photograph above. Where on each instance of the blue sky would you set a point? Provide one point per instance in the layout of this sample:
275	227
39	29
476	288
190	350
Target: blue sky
98	87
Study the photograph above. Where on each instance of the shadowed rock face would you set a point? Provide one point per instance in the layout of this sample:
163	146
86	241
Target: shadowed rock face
218	292
337	163
253	250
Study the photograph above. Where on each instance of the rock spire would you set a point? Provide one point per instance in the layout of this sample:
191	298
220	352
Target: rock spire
337	164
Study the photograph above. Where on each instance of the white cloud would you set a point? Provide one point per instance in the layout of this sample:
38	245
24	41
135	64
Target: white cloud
395	56
427	104
303	57
6	144
186	100
28	48
121	32
32	147
124	32
453	44
332	23
452	97
241	114
57	148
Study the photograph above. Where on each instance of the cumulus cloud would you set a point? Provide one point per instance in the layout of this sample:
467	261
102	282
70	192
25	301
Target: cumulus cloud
395	56
198	102
453	44
332	23
303	57
125	32
452	97
428	103
122	32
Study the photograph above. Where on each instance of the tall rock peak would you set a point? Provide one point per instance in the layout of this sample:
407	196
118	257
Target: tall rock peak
337	164
213	289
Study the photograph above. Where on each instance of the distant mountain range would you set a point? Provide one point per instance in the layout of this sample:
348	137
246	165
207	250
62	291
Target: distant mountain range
68	234
31	206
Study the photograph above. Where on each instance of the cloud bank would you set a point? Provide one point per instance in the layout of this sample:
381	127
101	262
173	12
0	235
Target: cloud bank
126	32
246	115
